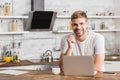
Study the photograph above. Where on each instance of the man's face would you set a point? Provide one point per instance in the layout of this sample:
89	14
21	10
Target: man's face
79	26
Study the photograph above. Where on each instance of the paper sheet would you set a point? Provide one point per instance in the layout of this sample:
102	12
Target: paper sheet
13	72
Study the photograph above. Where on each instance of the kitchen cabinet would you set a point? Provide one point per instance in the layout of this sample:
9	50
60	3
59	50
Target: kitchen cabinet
29	65
112	66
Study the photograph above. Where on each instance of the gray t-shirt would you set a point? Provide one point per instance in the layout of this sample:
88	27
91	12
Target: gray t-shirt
94	44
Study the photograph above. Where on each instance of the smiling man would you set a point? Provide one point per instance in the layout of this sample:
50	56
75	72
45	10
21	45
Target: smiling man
83	42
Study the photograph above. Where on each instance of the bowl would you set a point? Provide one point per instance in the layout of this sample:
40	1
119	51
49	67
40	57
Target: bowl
56	70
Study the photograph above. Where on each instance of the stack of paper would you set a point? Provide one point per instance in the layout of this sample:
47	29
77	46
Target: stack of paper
13	72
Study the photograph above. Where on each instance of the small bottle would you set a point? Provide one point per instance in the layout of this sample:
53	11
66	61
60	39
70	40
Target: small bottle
4	25
93	26
1	30
14	26
7	9
15	57
20	26
2	10
102	25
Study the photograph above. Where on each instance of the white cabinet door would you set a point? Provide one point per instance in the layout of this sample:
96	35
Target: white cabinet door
112	66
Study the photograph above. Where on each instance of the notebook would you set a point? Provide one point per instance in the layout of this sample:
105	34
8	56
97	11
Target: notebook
78	65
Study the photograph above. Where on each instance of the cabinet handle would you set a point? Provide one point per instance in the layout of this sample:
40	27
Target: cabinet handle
108	63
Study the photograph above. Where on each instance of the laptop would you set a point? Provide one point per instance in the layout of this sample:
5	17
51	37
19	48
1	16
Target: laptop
78	65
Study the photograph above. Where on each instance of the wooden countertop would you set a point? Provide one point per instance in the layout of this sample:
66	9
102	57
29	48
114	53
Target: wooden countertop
25	63
48	75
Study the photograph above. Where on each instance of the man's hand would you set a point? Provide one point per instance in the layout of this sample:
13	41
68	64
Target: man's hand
71	41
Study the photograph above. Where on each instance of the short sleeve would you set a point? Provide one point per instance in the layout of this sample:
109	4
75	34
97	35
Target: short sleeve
63	45
99	44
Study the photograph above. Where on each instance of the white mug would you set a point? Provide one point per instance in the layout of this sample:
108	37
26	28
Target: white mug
56	70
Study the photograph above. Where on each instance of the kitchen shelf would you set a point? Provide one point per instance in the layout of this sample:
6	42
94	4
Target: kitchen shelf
70	31
62	17
62	31
112	30
95	17
14	32
104	17
14	17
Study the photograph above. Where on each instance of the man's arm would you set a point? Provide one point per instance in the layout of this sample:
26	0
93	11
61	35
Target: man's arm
98	62
61	63
68	52
99	55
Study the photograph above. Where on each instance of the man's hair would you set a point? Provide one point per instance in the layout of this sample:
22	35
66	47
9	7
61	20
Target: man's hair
78	14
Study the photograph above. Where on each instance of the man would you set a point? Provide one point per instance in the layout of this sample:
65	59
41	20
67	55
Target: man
83	42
